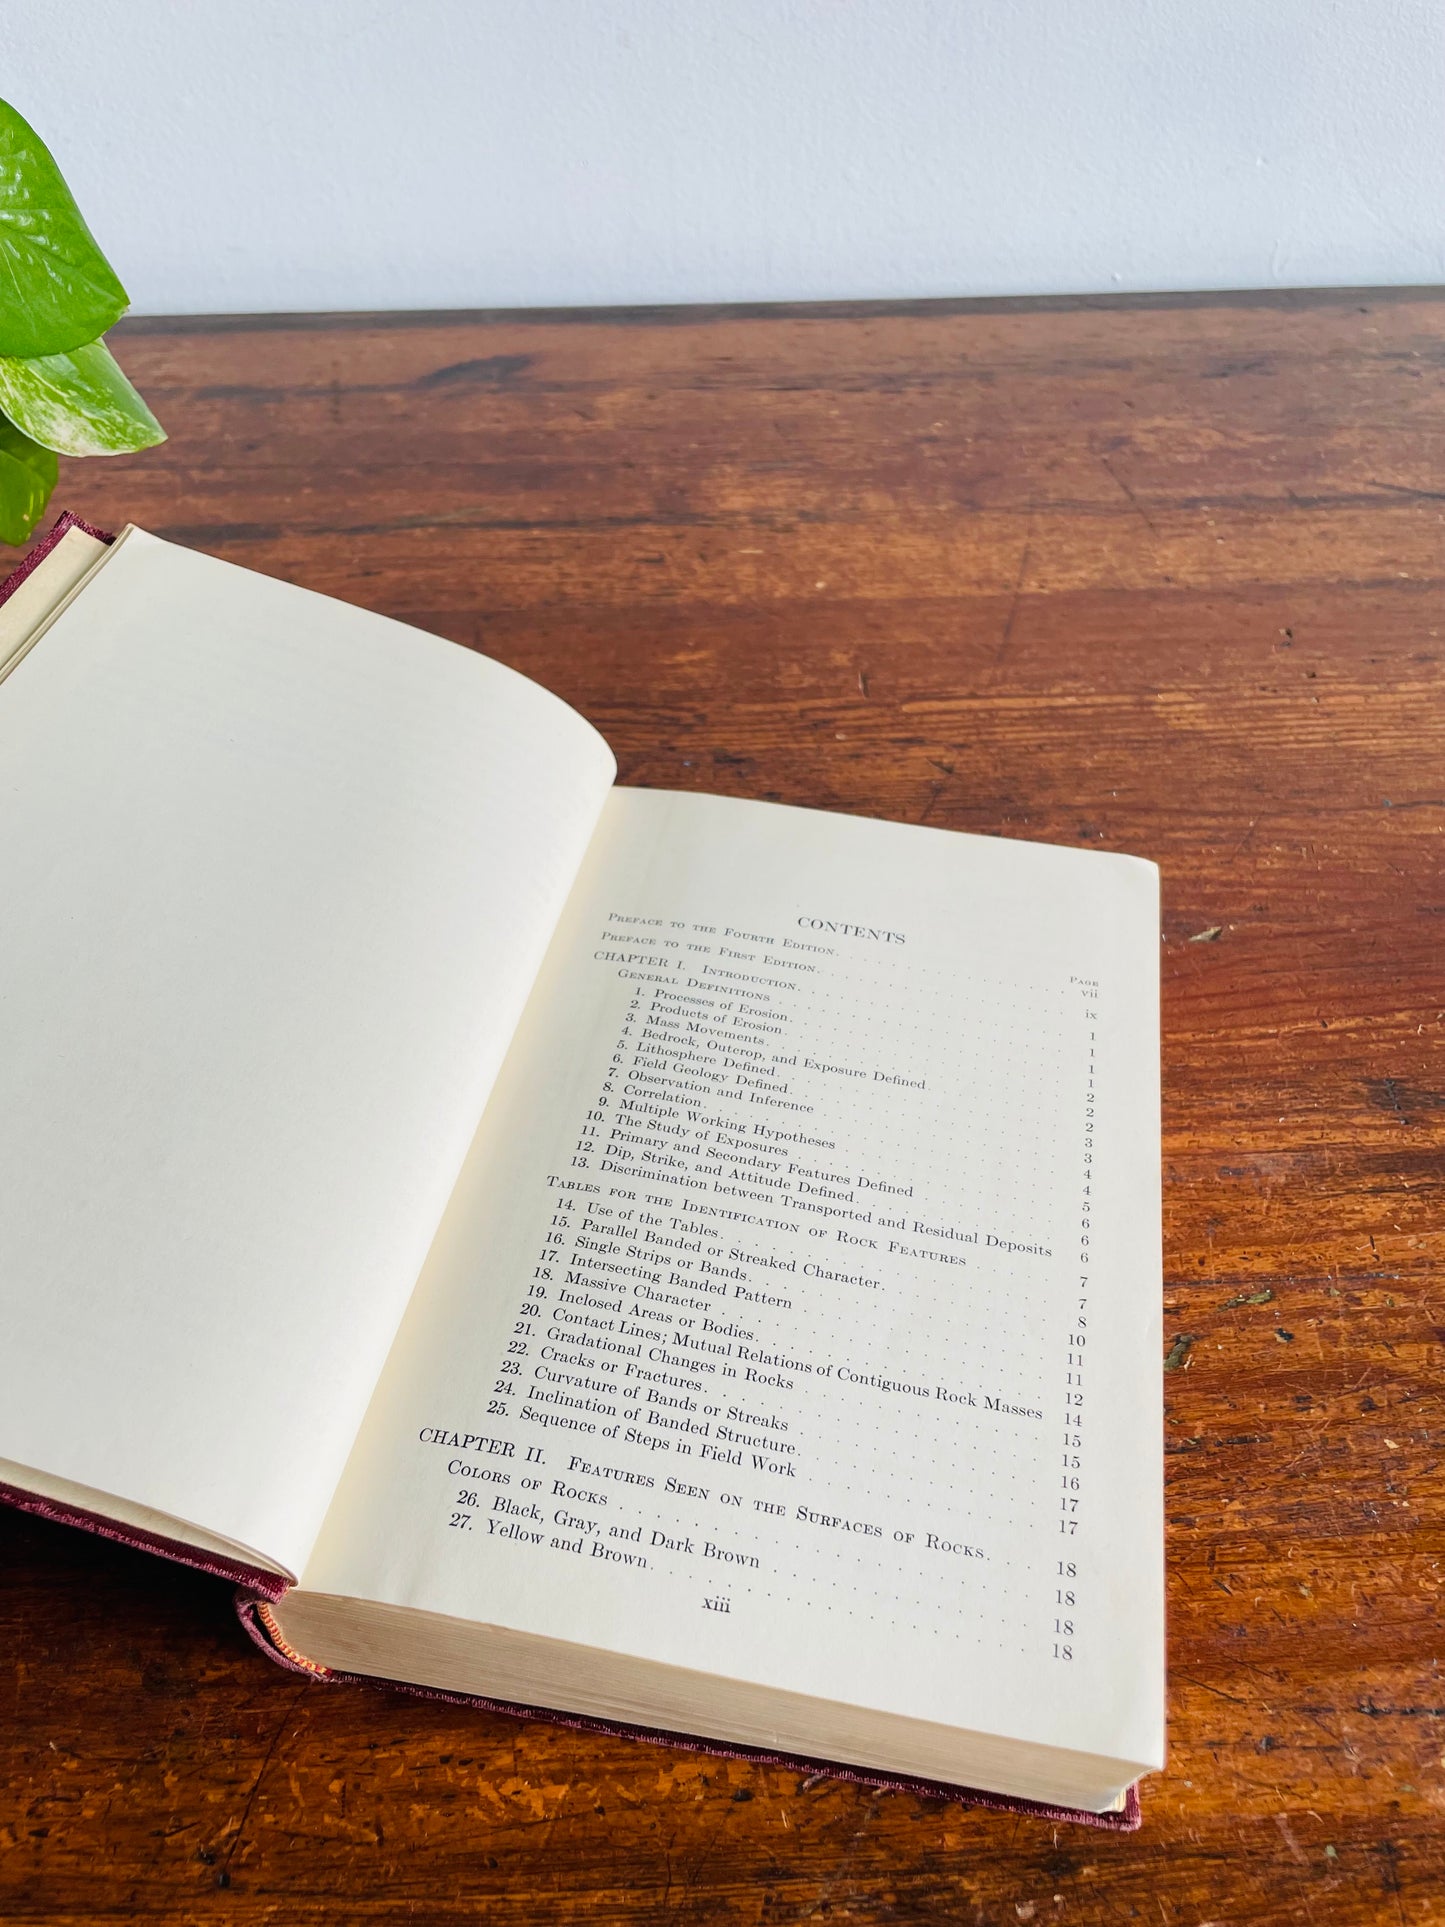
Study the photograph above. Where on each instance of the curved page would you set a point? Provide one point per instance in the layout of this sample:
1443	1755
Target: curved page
277	875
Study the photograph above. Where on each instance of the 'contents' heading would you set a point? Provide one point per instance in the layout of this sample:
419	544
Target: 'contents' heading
851	930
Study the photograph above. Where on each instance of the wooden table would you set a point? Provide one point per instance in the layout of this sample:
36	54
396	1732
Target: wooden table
1156	576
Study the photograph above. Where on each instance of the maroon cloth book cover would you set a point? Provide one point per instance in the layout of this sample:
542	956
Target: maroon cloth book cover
38	554
258	1590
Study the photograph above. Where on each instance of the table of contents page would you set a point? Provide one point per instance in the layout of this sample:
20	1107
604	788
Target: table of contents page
764	1336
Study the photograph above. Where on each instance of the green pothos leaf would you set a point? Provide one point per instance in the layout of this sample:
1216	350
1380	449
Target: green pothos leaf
57	290
78	403
27	475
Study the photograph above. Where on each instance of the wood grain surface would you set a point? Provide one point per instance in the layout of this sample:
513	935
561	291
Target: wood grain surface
1150	576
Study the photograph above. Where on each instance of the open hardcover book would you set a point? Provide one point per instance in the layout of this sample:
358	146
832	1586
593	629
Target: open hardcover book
666	1260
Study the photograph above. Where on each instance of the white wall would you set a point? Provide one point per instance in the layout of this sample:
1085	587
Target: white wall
282	154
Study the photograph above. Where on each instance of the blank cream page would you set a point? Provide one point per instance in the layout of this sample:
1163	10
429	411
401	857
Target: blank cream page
276	876
797	1317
